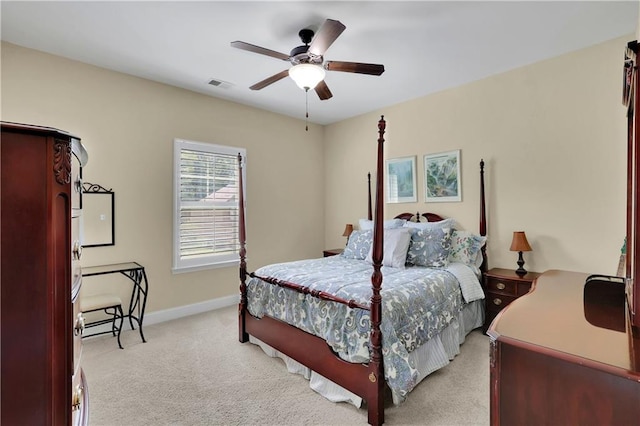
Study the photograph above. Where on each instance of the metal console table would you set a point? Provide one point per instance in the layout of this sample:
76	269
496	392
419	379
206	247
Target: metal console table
136	273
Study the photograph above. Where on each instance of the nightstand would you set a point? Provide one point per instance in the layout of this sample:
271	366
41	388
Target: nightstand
332	252
503	286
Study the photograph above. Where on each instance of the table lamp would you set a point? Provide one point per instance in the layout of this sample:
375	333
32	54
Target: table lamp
520	244
348	229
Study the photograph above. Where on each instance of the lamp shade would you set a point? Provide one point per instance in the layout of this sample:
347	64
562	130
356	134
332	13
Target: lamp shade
519	242
348	229
307	76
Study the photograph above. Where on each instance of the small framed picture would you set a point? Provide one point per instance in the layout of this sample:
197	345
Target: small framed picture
401	180
442	177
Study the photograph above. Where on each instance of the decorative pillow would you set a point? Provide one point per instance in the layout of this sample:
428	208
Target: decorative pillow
358	245
388	224
430	247
465	248
446	223
396	244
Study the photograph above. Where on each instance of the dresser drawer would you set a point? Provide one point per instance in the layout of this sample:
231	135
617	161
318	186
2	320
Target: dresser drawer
79	400
76	252
78	328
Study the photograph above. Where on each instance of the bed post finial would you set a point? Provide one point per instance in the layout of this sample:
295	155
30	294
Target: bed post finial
483	218
375	402
242	306
381	126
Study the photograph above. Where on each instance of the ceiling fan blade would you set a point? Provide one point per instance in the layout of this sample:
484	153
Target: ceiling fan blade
257	49
357	67
323	91
270	80
326	35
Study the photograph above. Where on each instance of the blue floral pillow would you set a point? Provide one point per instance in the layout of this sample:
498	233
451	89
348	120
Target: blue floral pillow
465	248
359	245
430	247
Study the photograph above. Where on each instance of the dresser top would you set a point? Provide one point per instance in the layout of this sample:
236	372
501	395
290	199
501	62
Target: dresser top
554	315
32	128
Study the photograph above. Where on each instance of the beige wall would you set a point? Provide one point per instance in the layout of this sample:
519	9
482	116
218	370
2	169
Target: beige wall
553	137
128	125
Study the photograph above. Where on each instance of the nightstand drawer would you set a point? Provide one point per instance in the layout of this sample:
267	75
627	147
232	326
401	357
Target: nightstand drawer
498	301
500	285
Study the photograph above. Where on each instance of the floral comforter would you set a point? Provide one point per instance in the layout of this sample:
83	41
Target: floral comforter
417	304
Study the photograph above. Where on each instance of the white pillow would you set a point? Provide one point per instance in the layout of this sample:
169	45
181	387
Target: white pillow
446	223
396	245
366	224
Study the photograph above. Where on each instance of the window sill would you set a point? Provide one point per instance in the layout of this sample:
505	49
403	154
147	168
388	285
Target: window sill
186	269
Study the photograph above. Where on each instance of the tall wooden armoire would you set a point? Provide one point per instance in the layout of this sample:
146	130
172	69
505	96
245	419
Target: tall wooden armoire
42	382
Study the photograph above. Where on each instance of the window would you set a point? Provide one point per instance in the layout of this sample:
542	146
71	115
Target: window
206	205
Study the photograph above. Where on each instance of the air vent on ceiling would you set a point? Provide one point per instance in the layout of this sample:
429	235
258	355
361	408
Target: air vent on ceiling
219	83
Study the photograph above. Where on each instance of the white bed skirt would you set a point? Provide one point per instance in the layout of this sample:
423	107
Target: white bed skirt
433	355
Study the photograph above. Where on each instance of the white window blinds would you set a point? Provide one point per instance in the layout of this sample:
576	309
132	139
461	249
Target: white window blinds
206	220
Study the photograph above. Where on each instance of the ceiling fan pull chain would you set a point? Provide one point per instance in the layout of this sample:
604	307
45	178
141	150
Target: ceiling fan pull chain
306	101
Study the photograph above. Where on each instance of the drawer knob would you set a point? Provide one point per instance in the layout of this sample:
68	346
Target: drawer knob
497	301
76	400
78	185
501	286
77	250
78	328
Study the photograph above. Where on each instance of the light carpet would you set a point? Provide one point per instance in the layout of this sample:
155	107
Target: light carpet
193	371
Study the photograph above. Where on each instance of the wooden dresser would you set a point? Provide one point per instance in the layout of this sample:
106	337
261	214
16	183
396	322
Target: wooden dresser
565	354
41	325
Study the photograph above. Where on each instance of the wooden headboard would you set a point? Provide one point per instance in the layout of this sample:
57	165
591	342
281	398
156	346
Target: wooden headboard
430	217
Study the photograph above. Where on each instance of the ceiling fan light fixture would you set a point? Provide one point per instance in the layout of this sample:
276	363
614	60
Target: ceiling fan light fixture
307	76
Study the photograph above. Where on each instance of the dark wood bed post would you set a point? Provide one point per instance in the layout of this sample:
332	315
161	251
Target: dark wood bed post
369	214
242	306
483	218
375	400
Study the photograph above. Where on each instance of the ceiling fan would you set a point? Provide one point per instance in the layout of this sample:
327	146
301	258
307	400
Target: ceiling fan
309	66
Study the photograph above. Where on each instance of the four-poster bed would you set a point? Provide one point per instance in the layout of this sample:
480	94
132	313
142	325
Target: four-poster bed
320	313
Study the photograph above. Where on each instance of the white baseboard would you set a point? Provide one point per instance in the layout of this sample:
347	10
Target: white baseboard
187	310
157	317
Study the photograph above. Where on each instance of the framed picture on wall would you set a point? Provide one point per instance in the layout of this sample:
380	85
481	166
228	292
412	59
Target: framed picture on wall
401	180
442	177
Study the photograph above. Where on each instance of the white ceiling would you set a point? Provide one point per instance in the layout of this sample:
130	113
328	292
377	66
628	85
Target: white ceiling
425	46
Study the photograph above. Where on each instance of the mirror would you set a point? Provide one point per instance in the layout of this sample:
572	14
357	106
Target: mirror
98	226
